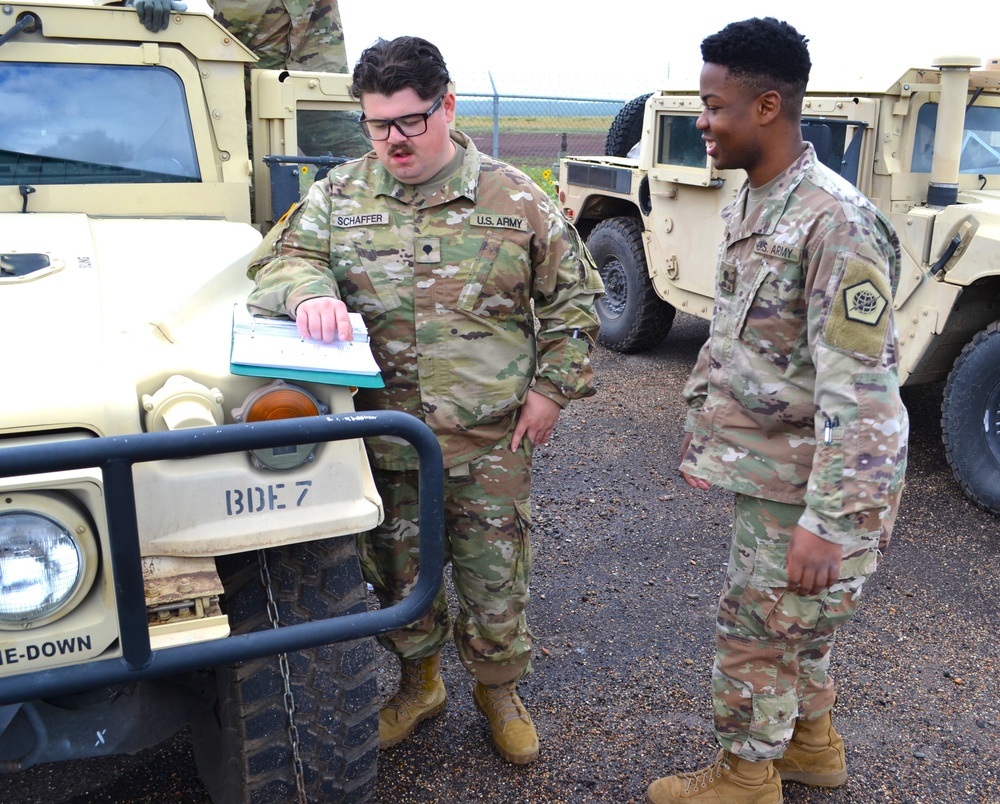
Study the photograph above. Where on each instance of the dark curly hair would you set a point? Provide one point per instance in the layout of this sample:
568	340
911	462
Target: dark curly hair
763	54
407	62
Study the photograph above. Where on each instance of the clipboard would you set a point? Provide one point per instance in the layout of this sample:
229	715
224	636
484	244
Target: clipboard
272	347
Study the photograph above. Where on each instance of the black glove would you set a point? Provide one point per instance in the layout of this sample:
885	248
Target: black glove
155	14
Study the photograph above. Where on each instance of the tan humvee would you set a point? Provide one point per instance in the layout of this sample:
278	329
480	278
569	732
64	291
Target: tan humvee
125	231
925	150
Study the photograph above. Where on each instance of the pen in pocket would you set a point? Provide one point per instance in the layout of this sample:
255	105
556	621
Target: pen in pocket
828	430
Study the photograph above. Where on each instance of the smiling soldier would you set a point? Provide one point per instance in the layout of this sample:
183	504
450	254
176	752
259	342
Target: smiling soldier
794	406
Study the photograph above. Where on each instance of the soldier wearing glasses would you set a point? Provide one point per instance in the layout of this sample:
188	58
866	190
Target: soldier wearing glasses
479	300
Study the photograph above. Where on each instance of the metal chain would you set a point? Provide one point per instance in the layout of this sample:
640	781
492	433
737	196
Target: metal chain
286	676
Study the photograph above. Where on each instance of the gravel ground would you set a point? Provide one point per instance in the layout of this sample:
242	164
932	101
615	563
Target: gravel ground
628	562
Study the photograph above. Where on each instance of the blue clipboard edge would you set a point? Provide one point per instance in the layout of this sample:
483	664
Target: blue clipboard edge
324	377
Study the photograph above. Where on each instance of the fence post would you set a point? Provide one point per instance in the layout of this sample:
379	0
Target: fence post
496	118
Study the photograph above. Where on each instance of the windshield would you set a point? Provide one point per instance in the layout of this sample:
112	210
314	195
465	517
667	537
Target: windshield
93	124
980	140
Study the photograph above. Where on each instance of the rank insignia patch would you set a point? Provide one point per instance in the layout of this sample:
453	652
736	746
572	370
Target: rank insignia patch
727	277
428	250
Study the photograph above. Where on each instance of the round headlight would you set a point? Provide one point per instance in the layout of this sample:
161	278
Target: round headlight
48	559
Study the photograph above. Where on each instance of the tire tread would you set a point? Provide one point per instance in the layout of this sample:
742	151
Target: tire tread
647	319
626	129
974	375
334	686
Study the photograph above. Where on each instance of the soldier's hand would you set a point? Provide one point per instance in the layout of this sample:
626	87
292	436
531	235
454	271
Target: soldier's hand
155	14
691	480
536	419
813	563
324	318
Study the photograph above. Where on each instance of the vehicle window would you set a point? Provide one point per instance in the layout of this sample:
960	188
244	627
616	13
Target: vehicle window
337	133
680	142
980	140
827	138
93	124
837	143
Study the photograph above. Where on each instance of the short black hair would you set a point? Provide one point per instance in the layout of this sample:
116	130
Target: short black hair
407	62
764	54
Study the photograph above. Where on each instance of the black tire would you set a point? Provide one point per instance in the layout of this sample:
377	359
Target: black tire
242	749
970	419
633	317
626	128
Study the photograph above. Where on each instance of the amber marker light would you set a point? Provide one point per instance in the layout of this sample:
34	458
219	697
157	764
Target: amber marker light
274	401
281	403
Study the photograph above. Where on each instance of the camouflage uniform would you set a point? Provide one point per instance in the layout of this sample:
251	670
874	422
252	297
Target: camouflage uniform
794	405
453	288
298	36
288	35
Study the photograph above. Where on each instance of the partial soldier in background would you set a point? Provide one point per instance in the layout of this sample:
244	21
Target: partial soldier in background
285	35
479	301
793	405
289	35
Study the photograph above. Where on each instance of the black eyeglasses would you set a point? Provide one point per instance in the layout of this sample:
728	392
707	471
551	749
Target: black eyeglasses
412	125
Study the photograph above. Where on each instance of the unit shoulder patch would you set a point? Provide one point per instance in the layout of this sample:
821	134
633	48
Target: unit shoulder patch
864	303
859	313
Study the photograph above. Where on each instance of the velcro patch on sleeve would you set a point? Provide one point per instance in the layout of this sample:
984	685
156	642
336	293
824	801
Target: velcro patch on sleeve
859	314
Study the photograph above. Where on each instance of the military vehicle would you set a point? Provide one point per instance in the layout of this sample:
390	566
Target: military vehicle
924	148
175	539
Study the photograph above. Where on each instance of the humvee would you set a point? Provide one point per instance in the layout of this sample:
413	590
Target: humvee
924	148
176	539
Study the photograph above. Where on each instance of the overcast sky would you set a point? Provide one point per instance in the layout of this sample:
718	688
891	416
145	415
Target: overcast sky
620	50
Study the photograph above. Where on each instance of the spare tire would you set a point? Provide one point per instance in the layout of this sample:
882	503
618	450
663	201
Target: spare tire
626	128
633	318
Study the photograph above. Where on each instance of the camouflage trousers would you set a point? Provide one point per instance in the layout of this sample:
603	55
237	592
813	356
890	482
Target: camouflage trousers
287	34
487	524
772	645
297	35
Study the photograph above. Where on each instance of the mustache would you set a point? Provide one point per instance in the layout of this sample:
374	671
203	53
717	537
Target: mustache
400	148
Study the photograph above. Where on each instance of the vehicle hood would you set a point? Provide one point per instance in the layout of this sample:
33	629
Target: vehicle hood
96	312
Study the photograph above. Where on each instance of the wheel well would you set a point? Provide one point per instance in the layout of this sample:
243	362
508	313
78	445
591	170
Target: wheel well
600	208
976	308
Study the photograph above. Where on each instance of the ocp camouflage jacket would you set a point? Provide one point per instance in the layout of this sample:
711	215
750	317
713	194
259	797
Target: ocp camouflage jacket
471	295
795	396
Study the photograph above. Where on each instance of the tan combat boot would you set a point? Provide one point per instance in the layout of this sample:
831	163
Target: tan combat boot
729	780
815	756
513	732
421	695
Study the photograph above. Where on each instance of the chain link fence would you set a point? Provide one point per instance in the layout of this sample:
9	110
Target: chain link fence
533	132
